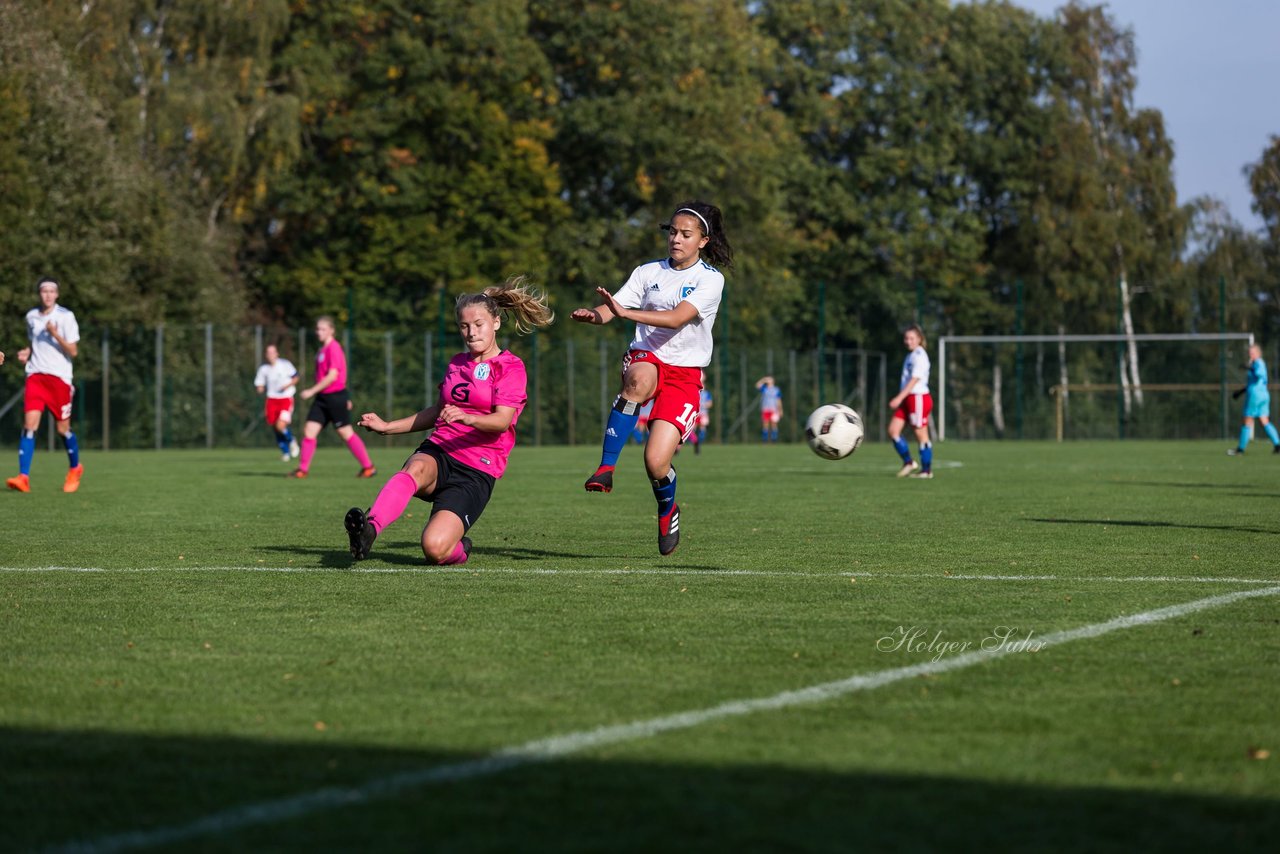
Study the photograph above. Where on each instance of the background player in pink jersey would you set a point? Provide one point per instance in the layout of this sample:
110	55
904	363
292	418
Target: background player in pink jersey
332	403
474	421
54	336
673	303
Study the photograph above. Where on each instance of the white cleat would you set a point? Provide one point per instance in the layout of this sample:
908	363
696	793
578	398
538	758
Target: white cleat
922	475
908	468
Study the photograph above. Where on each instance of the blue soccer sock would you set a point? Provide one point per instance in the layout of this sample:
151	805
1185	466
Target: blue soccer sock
282	440
26	450
900	445
1246	433
622	420
665	491
1271	433
287	436
926	456
72	445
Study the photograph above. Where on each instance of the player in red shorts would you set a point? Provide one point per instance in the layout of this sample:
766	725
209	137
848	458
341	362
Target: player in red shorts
912	405
673	303
277	378
54	335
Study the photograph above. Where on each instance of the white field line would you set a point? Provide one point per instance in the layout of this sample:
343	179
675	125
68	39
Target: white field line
542	750
756	573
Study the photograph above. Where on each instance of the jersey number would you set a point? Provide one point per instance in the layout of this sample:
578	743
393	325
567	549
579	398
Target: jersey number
686	416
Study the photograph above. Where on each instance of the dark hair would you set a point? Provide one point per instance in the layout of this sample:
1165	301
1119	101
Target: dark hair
527	307
43	280
915	327
717	251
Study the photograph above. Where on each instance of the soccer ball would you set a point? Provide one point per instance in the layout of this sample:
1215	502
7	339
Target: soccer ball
834	431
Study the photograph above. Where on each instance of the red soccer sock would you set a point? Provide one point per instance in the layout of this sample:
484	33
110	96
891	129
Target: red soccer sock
308	451
356	446
392	500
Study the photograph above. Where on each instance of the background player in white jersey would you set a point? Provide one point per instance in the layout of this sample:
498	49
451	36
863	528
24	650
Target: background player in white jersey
54	334
673	303
1257	404
474	429
912	405
278	379
770	408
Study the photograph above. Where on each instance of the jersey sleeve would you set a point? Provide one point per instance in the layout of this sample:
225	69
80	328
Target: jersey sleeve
510	387
920	366
261	378
70	328
631	294
706	296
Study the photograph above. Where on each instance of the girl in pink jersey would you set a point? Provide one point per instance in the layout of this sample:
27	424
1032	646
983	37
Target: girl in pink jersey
474	421
673	303
331	404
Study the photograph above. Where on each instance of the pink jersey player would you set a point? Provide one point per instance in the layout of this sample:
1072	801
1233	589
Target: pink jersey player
474	420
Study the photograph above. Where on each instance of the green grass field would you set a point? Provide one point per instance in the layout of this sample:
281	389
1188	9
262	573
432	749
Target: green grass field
190	662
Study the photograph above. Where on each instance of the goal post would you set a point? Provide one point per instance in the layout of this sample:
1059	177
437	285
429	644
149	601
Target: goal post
1220	338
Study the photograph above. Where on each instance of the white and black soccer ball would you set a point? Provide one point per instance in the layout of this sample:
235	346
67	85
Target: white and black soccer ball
834	431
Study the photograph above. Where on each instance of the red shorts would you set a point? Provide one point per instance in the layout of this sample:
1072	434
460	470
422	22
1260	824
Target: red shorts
45	391
279	409
769	417
676	400
915	410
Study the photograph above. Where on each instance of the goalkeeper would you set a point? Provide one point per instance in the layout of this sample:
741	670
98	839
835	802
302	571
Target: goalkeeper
1257	403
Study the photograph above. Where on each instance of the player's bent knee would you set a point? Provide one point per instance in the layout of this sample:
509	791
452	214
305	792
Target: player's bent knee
437	548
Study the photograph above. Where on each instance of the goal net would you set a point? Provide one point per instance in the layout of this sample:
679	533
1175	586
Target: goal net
1152	386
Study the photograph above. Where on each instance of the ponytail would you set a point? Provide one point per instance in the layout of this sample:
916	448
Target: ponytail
527	307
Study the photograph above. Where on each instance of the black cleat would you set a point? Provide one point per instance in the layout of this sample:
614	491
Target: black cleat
669	531
601	481
1235	452
361	533
466	546
1275	449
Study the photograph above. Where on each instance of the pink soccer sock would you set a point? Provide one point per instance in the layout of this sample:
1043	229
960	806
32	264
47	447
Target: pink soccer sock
459	555
356	446
308	451
392	500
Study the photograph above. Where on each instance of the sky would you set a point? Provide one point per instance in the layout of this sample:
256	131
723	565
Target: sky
1212	68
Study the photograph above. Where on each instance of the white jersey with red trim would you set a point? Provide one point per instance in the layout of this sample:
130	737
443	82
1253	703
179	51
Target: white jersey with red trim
47	355
916	365
657	286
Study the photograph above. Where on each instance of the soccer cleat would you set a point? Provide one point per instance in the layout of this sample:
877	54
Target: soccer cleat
1275	449
294	450
466	546
361	533
21	483
371	471
1235	452
72	483
284	458
922	475
601	481
298	473
669	531
908	468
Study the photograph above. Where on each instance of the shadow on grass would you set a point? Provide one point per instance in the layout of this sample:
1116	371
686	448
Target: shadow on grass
1140	523
1240	486
410	554
90	787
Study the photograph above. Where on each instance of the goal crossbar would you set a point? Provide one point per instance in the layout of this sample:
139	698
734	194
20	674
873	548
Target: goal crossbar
1209	338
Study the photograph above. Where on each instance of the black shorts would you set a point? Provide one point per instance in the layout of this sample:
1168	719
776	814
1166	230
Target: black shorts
332	409
459	488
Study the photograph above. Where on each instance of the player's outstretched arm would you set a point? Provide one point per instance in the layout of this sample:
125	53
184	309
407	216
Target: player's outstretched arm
422	420
595	316
672	318
23	355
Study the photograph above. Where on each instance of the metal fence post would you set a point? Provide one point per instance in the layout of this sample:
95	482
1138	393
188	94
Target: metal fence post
208	385
159	386
795	386
573	398
390	373
742	385
426	369
106	390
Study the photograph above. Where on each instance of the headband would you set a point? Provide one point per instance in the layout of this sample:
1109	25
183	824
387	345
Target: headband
705	224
